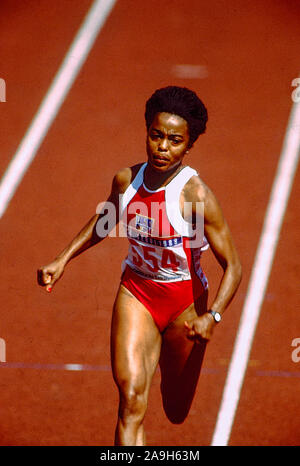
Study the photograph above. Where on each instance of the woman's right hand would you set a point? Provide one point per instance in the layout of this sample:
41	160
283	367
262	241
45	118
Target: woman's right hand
48	275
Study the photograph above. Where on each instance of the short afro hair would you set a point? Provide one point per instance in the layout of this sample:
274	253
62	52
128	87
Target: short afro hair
178	101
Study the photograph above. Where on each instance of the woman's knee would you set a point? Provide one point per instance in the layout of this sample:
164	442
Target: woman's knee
133	401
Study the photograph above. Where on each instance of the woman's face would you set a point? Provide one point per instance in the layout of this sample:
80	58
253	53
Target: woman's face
167	141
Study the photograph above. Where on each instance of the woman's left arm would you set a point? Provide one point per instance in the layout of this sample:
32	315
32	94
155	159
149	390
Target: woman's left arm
220	239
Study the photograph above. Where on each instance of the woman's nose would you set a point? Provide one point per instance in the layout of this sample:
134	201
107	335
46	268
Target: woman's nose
163	146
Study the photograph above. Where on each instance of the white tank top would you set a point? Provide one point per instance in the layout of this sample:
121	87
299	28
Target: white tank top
161	244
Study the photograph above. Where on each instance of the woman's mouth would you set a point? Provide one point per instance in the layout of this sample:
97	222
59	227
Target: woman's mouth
160	160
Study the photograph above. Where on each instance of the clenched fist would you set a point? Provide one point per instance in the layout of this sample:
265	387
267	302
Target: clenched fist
49	274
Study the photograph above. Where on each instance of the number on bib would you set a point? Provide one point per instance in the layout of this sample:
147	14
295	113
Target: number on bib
148	256
168	260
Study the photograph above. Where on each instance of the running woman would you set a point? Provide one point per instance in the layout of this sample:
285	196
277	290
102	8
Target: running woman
160	314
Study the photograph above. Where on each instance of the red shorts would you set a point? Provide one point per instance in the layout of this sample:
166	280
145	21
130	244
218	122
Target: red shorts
164	301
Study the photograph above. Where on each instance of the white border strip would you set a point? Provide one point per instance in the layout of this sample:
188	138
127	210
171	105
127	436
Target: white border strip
259	278
54	98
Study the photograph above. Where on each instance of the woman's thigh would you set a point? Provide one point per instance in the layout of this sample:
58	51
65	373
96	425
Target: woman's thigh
180	362
135	343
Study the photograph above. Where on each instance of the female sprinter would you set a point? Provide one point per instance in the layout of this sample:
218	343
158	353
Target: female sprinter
160	313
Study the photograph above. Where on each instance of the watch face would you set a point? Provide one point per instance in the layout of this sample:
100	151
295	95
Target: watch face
217	317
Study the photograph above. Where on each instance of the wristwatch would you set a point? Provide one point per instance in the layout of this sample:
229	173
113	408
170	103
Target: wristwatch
216	315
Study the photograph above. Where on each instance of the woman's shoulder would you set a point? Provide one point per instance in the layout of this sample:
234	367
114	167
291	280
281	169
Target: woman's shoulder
196	189
124	177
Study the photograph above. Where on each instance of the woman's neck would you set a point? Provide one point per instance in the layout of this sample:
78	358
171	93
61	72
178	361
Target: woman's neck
155	180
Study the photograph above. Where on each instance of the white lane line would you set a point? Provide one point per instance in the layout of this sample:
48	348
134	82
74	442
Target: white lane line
186	71
2	350
259	278
54	98
73	367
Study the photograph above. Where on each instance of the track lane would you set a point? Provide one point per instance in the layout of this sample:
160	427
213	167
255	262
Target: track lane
270	395
34	39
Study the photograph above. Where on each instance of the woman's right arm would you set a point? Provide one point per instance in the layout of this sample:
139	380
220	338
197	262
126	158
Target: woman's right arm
89	235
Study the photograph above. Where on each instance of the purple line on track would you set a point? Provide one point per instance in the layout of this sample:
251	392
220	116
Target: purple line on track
106	368
72	367
40	366
277	374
